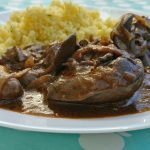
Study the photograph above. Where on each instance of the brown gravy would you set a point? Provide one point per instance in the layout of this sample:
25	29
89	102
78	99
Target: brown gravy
33	103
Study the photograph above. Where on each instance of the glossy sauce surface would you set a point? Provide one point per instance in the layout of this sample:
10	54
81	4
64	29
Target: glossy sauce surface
33	103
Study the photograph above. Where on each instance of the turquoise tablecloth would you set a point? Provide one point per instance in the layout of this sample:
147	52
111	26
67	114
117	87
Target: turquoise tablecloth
21	140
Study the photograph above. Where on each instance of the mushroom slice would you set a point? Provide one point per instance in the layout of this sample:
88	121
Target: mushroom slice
63	51
132	33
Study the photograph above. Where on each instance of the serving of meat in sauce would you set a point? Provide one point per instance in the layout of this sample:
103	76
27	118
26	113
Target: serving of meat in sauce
81	79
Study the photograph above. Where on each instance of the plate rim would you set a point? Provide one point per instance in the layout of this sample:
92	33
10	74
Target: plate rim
76	130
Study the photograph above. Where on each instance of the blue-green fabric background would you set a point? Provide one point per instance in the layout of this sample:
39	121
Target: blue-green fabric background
142	5
11	139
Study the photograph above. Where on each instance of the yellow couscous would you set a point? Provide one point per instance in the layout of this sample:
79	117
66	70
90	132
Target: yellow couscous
40	24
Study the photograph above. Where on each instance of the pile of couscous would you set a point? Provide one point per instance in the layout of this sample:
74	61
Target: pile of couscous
40	24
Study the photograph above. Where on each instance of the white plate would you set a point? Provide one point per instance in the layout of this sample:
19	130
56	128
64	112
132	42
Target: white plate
58	125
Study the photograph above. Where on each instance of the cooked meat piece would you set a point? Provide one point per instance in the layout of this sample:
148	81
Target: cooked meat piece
41	83
13	59
36	52
10	87
28	77
97	74
132	34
